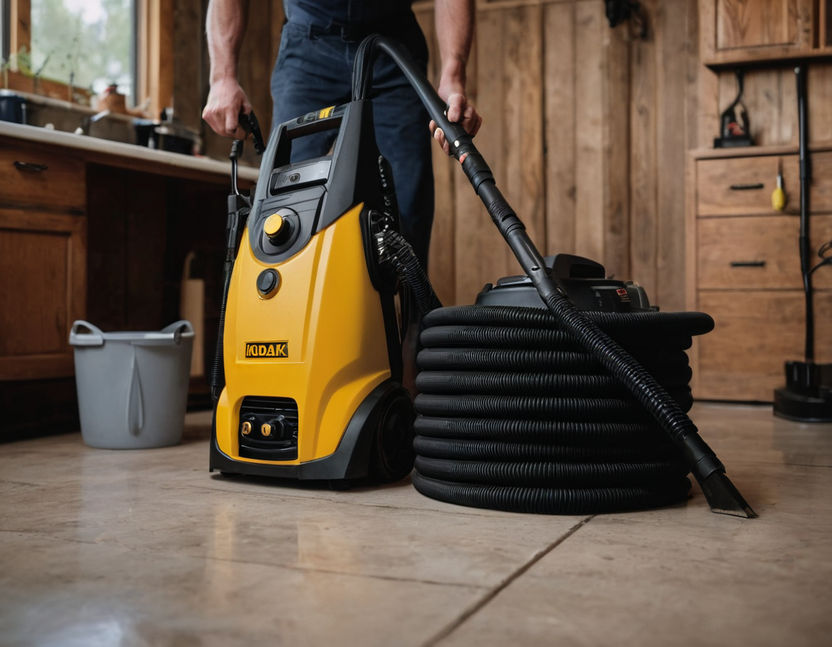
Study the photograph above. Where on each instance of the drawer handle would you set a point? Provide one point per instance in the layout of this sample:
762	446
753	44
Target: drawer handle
748	263
747	187
30	167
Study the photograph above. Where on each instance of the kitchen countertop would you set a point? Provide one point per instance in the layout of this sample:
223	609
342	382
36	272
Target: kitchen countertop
128	155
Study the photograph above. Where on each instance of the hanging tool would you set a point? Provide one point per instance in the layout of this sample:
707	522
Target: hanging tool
734	123
778	196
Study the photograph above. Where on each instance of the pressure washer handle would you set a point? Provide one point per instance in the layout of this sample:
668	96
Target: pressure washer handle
249	123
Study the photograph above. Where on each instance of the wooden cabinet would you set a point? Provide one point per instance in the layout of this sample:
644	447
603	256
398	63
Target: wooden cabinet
743	31
757	252
732	186
95	230
744	269
741	24
42	260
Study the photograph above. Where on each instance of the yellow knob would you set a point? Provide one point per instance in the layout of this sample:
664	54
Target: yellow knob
273	225
266	429
246	428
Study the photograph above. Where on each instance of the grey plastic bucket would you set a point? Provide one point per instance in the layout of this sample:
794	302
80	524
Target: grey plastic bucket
132	386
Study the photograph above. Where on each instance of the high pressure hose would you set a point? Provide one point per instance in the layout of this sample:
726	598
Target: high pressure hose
394	249
238	208
721	494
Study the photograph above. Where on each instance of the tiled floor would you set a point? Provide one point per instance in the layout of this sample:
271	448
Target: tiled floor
146	548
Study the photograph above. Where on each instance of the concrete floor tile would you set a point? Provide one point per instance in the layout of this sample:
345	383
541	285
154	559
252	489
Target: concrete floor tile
263	527
685	576
159	502
145	547
76	594
652	579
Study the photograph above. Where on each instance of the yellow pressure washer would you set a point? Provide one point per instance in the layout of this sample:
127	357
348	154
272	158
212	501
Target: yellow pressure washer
307	383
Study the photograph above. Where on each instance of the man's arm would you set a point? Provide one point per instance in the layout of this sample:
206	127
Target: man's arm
455	31
225	24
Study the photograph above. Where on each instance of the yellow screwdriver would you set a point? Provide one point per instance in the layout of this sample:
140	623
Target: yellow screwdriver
778	196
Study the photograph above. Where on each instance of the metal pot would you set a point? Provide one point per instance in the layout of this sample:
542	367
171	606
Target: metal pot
12	107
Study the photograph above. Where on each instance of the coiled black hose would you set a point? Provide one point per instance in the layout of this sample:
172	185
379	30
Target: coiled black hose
709	471
514	415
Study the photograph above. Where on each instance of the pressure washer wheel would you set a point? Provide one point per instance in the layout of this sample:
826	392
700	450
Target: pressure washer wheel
392	452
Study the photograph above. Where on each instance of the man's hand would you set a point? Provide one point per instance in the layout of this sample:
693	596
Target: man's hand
454	32
459	110
222	110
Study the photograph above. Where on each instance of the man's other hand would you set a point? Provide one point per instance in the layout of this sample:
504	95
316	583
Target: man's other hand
222	110
460	110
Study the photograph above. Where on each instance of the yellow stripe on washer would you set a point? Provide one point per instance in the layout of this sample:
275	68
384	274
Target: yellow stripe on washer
323	114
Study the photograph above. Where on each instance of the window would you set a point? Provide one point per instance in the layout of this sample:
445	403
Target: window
88	44
95	42
85	43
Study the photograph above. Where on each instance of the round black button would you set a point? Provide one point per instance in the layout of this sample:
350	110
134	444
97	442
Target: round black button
267	282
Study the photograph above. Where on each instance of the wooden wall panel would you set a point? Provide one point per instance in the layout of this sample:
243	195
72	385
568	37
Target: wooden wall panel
188	25
671	30
589	135
523	123
819	86
692	75
559	126
586	128
442	257
644	214
157	46
480	253
615	218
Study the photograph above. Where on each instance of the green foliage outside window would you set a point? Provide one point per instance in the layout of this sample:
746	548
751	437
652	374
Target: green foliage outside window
85	43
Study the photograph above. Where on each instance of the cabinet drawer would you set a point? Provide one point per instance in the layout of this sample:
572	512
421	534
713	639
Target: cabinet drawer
743	185
31	176
757	252
43	265
756	332
755	26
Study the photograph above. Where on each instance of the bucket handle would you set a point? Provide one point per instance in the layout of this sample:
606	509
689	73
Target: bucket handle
93	338
177	328
169	334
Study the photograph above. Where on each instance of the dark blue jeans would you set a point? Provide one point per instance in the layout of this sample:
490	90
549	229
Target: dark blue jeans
314	70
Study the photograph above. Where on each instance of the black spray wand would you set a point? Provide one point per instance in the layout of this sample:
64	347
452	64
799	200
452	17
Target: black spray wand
239	206
721	494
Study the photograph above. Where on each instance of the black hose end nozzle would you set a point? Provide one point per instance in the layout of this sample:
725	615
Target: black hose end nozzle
724	498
